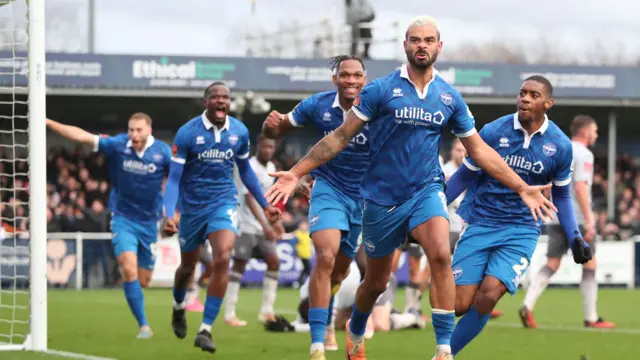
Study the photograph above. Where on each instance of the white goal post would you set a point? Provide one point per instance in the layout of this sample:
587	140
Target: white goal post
35	143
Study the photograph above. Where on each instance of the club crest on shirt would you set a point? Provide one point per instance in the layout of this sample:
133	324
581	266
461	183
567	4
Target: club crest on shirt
549	149
446	98
157	157
233	139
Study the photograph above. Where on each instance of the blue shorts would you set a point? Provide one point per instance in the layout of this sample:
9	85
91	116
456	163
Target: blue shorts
137	237
385	228
195	227
503	253
330	208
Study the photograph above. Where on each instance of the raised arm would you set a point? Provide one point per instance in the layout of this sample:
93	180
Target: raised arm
330	145
73	133
277	124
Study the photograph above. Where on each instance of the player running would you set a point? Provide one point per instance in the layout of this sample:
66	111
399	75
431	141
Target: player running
403	187
584	131
201	176
497	244
257	239
335	215
138	164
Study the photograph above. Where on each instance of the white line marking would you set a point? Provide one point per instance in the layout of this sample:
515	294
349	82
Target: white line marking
76	355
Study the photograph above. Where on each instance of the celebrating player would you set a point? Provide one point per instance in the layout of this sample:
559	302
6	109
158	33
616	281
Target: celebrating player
201	175
403	186
495	248
584	131
257	239
335	215
138	164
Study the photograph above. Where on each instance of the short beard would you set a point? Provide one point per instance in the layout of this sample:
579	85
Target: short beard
422	65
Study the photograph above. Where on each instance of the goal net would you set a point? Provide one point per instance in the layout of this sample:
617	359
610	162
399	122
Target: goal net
23	262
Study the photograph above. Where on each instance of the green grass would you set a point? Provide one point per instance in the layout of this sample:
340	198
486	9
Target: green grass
99	323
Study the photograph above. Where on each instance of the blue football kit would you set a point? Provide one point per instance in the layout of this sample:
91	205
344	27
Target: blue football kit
501	234
403	186
136	198
335	200
203	158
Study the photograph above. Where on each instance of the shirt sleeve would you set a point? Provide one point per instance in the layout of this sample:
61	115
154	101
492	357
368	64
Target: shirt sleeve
245	146
303	112
105	144
485	135
180	148
583	166
564	168
366	105
462	122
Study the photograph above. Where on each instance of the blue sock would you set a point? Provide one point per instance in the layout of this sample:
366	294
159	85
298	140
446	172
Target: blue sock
330	311
469	326
211	309
317	323
358	321
443	322
179	295
135	298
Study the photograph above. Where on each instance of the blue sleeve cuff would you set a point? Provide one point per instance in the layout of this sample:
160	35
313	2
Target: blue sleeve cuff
250	180
172	188
566	213
459	182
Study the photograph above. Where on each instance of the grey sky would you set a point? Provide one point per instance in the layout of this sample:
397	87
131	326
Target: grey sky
212	27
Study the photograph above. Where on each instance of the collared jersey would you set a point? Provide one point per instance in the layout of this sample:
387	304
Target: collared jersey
209	154
324	113
137	177
405	125
539	159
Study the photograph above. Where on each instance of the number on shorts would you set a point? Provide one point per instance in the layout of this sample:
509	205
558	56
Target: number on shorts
233	216
519	269
443	198
154	250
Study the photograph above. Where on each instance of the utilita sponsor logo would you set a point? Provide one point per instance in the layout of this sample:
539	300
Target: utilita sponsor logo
522	165
215	155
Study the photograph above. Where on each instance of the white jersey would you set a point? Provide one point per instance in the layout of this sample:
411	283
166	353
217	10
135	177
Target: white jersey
582	171
455	221
247	223
346	296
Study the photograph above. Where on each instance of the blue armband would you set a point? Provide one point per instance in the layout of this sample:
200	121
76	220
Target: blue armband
250	180
172	188
566	214
459	182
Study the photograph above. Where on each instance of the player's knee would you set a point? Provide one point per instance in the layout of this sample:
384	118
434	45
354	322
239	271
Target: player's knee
222	259
486	299
440	259
376	286
325	259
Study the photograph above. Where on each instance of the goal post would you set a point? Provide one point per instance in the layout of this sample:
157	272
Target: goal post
23	177
37	340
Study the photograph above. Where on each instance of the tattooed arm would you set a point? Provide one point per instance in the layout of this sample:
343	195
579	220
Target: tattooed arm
330	146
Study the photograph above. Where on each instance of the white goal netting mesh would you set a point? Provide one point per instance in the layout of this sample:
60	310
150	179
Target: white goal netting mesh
14	174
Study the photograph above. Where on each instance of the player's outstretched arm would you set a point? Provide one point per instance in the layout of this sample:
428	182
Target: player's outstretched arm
72	133
491	162
325	150
561	195
459	182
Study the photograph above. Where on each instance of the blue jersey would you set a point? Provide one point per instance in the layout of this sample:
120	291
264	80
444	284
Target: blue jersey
541	158
209	155
136	177
405	124
112	170
346	170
